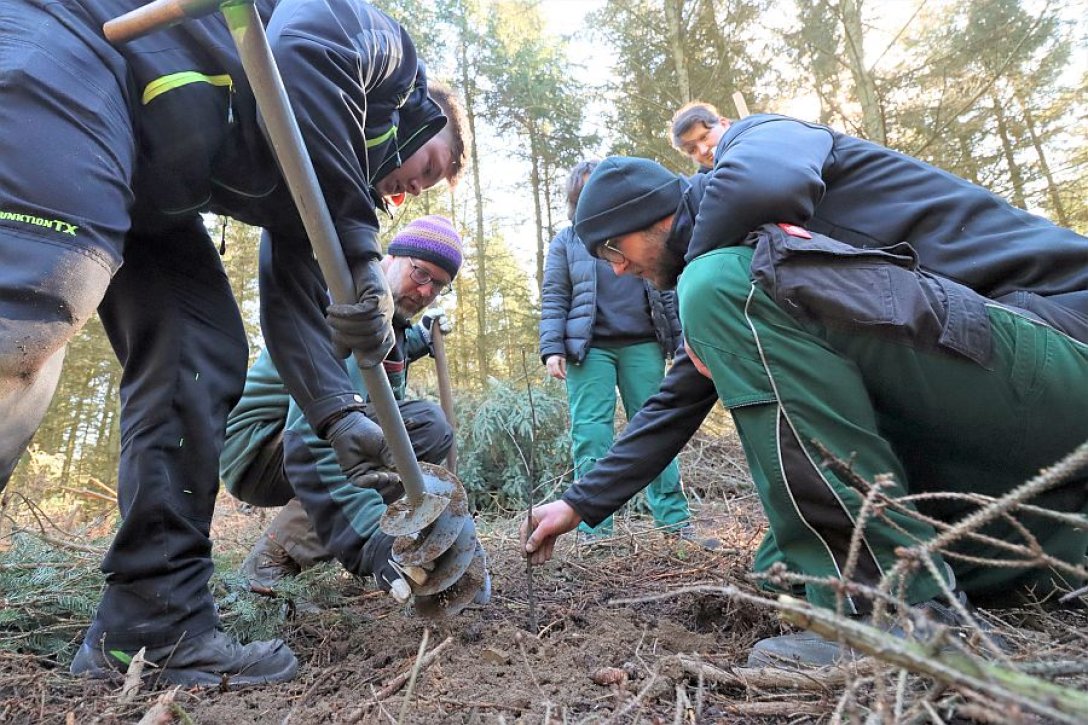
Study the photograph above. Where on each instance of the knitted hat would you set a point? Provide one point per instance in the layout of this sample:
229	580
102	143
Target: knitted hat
432	239
624	195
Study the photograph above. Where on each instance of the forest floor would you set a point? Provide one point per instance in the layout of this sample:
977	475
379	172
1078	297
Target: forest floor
593	657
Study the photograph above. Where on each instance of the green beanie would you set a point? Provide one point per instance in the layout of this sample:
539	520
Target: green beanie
624	195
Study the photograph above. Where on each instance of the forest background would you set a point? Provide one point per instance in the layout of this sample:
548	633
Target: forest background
991	90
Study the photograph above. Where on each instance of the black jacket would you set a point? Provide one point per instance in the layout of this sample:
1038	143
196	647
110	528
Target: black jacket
359	95
661	429
569	303
771	169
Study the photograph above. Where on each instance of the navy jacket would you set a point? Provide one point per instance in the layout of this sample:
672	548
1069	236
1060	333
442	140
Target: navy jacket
360	97
569	303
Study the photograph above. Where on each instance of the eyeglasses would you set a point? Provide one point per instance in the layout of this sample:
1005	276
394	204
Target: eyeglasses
610	254
422	277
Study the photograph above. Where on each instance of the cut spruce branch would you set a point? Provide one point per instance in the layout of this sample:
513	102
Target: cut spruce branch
1061	704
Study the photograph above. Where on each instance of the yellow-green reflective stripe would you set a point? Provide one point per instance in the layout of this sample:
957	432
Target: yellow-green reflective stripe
161	85
372	142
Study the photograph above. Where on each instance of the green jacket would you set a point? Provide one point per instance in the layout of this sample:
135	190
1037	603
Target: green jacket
266	410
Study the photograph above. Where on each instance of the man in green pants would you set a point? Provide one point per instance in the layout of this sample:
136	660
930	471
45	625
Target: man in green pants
811	341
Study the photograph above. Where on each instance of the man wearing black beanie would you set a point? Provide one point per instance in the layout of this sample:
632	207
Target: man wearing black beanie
807	340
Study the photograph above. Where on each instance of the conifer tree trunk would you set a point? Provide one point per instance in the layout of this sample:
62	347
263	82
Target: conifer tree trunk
469	89
864	83
1008	148
534	180
1051	186
674	14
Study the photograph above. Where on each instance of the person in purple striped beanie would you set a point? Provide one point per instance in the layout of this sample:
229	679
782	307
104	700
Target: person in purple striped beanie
272	457
426	250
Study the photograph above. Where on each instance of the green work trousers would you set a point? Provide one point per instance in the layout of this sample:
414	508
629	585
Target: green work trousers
935	421
636	370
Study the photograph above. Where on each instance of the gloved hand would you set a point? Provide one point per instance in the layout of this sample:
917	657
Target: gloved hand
365	327
436	315
361	451
377	559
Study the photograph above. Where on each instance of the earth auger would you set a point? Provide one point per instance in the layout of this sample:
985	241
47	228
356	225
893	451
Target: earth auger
432	525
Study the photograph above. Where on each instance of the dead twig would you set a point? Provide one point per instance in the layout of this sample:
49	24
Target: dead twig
412	678
133	674
397	682
166	711
770	678
530	480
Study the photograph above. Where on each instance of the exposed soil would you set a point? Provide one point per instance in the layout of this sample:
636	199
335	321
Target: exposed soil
493	667
594	659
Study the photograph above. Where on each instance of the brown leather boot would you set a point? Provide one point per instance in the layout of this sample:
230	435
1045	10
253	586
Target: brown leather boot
267	565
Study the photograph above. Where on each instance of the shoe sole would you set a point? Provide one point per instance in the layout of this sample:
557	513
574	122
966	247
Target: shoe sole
195	678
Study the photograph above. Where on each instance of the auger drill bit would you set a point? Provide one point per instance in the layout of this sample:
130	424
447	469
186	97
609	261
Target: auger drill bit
432	521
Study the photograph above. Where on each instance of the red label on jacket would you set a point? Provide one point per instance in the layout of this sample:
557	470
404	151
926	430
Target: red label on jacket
795	231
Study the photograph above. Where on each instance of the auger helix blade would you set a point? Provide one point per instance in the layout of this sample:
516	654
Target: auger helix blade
473	587
401	518
433	541
450	567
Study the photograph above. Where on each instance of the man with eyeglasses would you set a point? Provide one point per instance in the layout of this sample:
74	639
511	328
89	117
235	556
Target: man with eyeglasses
273	457
815	344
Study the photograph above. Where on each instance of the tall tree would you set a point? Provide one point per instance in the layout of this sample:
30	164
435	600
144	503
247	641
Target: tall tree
534	95
708	54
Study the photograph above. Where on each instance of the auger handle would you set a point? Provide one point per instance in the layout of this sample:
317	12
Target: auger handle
155	16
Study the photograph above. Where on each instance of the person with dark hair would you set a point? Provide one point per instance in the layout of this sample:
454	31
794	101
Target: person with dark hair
272	457
109	155
696	129
814	344
600	332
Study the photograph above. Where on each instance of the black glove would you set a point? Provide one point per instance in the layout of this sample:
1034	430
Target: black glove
361	451
365	327
377	559
386	483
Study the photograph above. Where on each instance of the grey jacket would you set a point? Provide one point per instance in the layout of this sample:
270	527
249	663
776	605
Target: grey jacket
569	303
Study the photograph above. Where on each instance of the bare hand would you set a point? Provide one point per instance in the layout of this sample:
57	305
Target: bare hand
557	366
549	522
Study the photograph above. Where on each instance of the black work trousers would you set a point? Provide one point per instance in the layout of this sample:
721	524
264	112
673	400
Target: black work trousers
177	331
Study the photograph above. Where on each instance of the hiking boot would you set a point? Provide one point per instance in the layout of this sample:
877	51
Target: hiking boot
807	649
687	533
212	659
267	565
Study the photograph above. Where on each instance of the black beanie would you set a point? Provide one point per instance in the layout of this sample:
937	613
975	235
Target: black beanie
624	195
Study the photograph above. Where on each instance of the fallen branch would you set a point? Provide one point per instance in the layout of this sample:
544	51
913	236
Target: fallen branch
1059	703
788	708
771	678
398	682
1054	701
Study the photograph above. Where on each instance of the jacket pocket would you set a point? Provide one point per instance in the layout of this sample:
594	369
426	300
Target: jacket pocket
876	291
